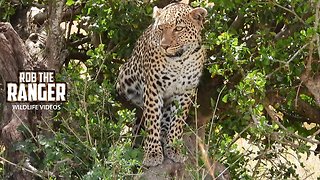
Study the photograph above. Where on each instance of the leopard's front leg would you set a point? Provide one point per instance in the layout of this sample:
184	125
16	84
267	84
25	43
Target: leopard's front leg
179	112
153	103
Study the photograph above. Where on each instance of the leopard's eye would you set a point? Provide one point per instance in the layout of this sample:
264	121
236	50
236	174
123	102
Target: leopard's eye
179	28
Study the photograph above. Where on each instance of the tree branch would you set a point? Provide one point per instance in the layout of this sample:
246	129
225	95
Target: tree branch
289	10
71	12
275	117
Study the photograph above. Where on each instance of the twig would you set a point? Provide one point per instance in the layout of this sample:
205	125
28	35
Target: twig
21	167
80	41
231	165
272	113
256	168
204	153
289	10
296	54
235	139
288	62
297	95
309	61
316	133
307	177
87	127
214	113
25	126
197	131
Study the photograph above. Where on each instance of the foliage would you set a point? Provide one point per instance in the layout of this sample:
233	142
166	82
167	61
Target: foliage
261	74
256	65
9	10
93	138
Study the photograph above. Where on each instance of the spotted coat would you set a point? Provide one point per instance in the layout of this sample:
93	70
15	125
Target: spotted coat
161	77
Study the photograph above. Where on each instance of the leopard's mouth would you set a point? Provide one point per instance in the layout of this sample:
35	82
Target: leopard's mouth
177	53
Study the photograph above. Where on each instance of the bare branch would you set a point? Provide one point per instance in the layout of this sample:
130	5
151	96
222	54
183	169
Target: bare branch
289	10
275	117
80	41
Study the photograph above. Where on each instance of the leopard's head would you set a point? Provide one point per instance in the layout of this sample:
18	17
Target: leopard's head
179	28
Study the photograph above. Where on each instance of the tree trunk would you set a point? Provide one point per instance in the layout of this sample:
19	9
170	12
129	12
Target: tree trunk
14	56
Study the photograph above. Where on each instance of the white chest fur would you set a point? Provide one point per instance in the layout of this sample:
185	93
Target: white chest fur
183	74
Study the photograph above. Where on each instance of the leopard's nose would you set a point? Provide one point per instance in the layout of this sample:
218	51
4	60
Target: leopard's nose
165	43
165	46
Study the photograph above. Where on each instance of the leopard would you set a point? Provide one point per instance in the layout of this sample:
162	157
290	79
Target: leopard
161	77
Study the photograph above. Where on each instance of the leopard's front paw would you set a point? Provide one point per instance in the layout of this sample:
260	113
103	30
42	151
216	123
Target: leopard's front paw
174	154
153	158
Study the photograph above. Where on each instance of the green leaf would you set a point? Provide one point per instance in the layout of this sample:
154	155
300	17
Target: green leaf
225	98
70	2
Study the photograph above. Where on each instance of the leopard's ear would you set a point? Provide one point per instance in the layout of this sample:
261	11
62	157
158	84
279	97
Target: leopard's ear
198	15
184	1
156	12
